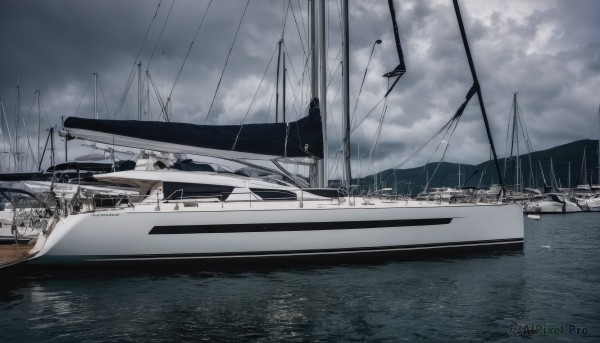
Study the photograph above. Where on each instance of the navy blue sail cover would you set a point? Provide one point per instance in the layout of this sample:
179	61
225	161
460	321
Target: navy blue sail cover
302	138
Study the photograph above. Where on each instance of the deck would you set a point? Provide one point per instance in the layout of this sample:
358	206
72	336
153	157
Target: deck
13	253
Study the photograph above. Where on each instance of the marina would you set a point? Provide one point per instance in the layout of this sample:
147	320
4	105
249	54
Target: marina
299	171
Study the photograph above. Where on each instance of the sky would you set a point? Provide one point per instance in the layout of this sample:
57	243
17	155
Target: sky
548	51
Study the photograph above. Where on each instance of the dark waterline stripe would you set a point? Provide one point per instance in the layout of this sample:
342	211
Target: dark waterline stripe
307	226
456	246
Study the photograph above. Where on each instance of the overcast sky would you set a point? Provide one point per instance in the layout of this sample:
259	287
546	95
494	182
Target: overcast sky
546	50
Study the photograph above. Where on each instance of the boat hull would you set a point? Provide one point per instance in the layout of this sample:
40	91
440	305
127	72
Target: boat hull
552	207
231	236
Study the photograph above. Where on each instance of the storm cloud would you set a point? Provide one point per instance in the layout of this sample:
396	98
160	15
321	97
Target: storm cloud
547	51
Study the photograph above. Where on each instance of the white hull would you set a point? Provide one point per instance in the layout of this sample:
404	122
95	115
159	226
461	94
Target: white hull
552	207
276	229
590	205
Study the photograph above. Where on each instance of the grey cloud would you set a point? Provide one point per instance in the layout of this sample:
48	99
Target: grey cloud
549	54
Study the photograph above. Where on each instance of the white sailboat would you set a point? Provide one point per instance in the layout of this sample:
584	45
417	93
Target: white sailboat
552	203
211	217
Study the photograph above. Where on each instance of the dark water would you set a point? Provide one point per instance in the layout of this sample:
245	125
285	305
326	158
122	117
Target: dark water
553	285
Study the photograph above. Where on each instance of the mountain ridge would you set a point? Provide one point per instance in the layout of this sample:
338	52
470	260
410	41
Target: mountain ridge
550	168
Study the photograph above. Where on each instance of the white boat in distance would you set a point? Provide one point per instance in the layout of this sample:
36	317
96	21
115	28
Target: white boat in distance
552	203
208	217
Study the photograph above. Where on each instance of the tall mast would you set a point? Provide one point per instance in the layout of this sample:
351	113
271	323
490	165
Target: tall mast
66	144
515	138
139	91
552	176
584	166
17	114
346	91
599	144
39	155
95	95
313	50
52	159
322	166
147	93
277	82
10	141
283	88
314	168
315	171
569	183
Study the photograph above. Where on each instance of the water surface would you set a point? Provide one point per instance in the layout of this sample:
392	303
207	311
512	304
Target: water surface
552	284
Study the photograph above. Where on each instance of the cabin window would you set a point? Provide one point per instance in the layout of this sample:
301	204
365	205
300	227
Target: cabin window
326	192
178	190
274	194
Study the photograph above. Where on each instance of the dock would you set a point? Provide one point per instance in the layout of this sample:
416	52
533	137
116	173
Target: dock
11	254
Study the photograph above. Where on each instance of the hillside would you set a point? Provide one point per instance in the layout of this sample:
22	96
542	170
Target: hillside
413	180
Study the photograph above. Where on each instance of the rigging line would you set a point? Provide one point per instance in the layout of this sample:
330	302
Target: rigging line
306	34
163	106
440	143
364	77
299	81
339	12
335	127
298	29
334	170
520	129
226	61
443	155
295	100
270	104
340	45
84	92
524	129
189	49
367	115
146	36
401	164
302	21
33	156
44	110
508	130
28	144
258	89
104	99
124	95
506	141
299	84
284	20
515	132
7	127
160	35
333	74
1	142
253	98
376	138
527	143
291	64
126	91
